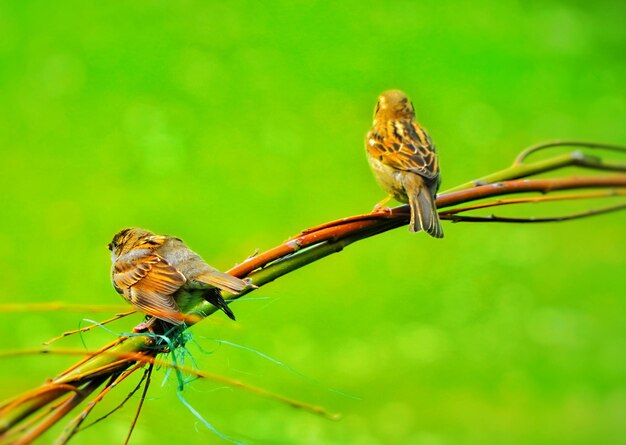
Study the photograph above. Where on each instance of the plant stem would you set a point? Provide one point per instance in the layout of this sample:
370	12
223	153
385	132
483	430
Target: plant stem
520	170
309	246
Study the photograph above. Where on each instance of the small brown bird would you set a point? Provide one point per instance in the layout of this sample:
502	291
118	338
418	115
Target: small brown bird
404	160
162	277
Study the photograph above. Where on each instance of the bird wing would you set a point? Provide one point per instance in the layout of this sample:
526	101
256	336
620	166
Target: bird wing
222	281
404	145
149	283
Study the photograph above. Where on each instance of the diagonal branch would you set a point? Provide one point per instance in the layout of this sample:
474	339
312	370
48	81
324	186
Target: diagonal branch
141	400
318	242
121	404
68	405
72	428
89	327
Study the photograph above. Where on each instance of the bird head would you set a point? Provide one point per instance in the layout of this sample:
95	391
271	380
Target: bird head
128	239
394	104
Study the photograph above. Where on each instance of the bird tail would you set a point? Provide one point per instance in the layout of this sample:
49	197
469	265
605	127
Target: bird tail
214	297
424	214
223	281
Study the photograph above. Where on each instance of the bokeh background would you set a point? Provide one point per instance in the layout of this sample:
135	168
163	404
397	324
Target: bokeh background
235	125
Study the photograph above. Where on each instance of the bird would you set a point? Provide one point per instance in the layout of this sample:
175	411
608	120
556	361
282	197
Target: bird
162	277
404	161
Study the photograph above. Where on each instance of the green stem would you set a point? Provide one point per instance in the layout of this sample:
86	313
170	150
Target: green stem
520	170
552	144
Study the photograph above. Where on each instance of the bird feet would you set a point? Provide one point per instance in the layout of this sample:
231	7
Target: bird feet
381	208
249	283
145	326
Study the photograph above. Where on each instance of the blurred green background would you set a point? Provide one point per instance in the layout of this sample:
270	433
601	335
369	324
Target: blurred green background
236	124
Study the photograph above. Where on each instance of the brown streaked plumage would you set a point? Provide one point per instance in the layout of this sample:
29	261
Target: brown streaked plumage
162	277
404	160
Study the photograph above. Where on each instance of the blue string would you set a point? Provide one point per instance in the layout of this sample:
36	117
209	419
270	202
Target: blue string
205	423
282	364
178	354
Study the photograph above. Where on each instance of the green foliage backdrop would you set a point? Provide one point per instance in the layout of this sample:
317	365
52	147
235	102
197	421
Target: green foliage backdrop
236	124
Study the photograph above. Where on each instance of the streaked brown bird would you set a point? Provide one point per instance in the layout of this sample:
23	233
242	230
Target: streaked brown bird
404	160
162	277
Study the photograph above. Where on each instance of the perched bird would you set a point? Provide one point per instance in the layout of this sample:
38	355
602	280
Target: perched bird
404	160
162	277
